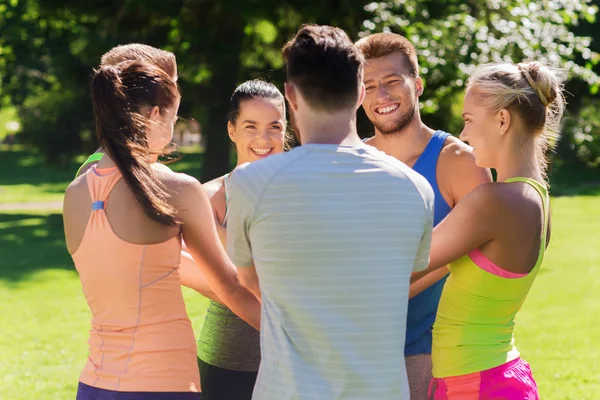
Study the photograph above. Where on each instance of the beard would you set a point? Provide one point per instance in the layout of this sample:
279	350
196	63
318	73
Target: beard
398	126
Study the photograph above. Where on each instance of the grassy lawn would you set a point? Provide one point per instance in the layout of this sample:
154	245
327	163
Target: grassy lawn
26	179
45	321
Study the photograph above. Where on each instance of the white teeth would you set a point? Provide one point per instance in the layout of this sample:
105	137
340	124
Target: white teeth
261	151
387	109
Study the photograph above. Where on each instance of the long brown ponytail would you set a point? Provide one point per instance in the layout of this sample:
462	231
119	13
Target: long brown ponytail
118	93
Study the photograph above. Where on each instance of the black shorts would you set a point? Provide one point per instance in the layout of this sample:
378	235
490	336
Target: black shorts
86	392
220	384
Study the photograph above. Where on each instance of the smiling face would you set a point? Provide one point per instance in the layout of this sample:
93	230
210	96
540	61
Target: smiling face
259	129
392	94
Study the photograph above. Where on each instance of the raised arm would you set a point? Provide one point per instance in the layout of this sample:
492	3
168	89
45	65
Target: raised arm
202	241
419	285
462	178
468	226
192	276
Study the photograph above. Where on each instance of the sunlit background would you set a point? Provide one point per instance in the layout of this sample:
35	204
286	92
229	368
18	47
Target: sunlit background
48	49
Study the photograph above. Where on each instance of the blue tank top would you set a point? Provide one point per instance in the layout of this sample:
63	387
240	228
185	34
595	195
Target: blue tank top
422	308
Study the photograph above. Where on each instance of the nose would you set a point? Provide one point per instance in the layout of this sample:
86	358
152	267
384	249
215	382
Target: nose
264	134
382	93
463	136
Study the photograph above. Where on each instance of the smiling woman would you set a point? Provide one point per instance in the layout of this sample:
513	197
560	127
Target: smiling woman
257	121
228	348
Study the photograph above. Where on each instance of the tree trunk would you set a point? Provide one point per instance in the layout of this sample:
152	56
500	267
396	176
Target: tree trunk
226	71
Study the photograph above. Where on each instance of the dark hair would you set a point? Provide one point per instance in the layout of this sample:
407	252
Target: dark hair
325	66
118	92
252	90
141	52
382	44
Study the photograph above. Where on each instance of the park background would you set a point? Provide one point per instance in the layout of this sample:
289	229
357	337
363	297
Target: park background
48	49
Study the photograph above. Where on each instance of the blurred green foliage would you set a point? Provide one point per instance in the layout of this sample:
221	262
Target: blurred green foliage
49	47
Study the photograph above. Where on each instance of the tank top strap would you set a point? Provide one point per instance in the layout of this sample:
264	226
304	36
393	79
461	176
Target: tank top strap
428	159
544	195
101	182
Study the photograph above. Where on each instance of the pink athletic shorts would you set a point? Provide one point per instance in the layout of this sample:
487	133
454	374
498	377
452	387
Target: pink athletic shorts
510	381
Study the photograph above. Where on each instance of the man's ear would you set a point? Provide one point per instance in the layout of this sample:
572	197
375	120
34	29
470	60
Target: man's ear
290	95
361	95
419	86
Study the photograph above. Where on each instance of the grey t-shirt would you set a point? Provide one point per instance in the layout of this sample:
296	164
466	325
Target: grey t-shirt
334	233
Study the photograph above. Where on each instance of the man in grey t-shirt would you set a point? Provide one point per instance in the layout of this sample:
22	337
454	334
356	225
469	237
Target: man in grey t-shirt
332	230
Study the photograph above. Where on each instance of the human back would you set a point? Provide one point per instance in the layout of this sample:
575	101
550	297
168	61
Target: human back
128	266
124	222
334	274
127	260
127	218
482	297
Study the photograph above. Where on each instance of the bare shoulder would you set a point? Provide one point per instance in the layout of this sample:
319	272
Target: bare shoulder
457	152
215	190
522	199
78	186
489	198
178	185
501	201
457	157
458	173
213	187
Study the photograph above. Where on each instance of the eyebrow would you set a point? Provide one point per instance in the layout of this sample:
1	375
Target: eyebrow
385	77
465	114
393	74
249	121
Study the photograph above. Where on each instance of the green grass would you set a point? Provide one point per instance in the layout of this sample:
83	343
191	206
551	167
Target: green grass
25	178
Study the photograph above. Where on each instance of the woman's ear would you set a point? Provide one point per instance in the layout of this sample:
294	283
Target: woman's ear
231	131
505	120
154	113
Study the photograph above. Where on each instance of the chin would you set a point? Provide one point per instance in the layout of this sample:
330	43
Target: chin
483	163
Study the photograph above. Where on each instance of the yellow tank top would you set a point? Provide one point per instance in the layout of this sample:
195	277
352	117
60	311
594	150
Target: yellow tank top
474	326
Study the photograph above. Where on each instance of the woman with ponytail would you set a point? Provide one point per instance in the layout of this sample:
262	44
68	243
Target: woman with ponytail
124	225
494	240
